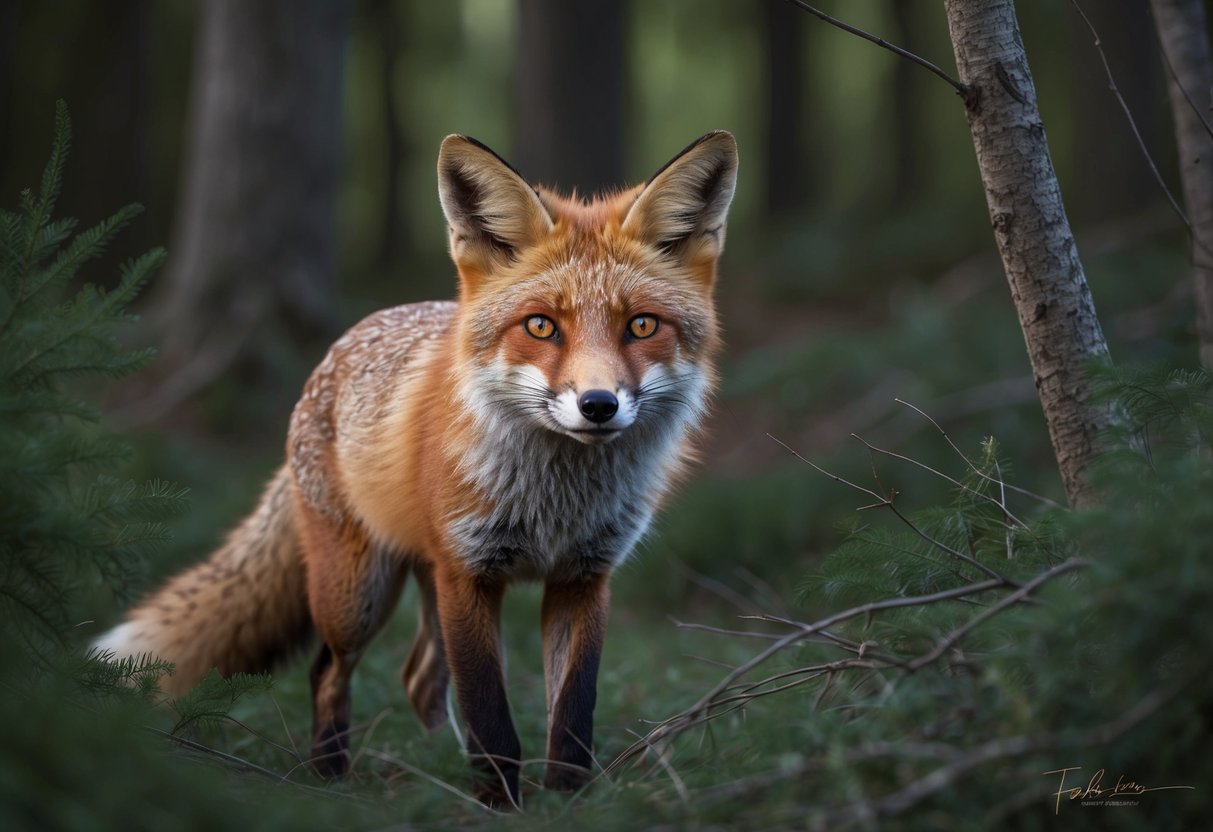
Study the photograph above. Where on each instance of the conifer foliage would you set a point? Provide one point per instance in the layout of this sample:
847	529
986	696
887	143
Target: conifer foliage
995	665
79	742
65	522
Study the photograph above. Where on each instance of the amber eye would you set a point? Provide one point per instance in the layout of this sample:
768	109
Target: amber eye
642	326
540	326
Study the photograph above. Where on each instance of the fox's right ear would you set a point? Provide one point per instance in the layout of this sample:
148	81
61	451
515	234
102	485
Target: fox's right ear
491	210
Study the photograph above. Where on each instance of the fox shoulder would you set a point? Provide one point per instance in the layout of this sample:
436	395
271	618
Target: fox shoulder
362	381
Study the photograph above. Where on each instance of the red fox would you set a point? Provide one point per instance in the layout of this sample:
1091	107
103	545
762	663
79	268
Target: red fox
528	431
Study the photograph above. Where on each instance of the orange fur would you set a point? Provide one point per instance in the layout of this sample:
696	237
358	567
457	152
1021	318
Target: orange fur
448	440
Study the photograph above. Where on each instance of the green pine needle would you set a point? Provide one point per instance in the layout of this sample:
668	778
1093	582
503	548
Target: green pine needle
68	521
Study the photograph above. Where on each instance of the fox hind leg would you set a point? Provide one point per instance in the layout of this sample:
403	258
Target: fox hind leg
331	712
353	585
425	674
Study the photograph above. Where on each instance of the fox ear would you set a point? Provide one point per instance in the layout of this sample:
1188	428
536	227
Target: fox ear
682	208
491	210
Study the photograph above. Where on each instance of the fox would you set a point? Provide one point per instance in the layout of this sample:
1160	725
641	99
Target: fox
528	431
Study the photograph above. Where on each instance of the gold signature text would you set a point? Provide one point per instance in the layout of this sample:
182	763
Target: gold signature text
1096	790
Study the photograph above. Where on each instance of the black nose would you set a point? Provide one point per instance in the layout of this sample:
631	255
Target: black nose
598	405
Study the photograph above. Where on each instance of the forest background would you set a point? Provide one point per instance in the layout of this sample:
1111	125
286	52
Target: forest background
860	269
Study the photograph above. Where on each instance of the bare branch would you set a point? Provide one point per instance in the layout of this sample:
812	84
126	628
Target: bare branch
956	553
1014	598
880	498
1039	497
1141	143
961	89
393	760
887	502
1184	92
774	602
722	631
246	765
956	764
996	480
701	711
717	588
942	777
1006	512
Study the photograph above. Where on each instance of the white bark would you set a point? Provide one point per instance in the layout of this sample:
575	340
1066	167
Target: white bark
1183	33
1039	255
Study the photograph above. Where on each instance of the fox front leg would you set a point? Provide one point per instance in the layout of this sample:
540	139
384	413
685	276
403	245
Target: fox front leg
574	624
469	608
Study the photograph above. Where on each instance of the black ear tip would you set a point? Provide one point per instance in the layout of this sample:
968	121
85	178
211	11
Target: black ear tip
477	144
457	147
718	135
721	141
450	153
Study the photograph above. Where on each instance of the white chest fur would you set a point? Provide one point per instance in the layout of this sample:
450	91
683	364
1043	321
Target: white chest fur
551	506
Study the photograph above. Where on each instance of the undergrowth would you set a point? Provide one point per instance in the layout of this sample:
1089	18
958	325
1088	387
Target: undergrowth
945	666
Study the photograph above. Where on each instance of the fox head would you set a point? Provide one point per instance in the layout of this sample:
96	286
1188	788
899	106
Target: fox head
589	319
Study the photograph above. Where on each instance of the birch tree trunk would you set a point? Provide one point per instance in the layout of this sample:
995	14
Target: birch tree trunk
1038	252
1183	32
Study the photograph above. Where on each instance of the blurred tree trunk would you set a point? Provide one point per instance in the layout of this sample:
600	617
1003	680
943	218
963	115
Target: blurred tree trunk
8	71
1104	141
253	246
119	109
394	236
1038	252
908	125
1183	32
787	173
570	83
105	76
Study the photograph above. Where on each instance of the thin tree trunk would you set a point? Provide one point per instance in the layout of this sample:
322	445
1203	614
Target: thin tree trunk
908	128
787	176
1183	32
1038	252
569	91
8	76
1102	139
253	248
394	235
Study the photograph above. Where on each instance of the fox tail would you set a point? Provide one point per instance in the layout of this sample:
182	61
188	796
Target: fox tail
240	610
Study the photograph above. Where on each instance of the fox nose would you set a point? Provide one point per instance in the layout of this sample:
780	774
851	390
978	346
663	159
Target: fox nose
598	405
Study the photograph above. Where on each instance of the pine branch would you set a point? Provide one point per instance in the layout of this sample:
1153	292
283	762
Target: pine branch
54	533
86	246
37	215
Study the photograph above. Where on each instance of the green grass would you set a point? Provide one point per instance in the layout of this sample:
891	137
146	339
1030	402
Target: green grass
650	670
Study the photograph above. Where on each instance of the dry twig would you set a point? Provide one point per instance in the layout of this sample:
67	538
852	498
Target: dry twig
1141	143
960	88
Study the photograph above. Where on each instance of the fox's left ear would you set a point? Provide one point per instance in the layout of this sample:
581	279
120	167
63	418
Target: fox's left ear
682	208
